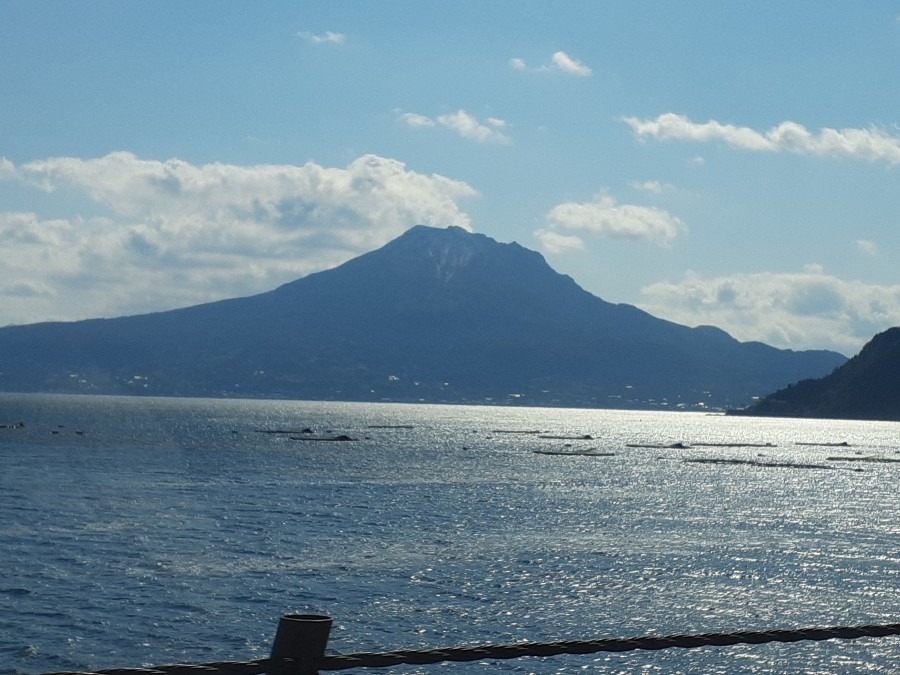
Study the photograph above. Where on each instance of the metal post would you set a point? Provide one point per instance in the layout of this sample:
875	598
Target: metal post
302	637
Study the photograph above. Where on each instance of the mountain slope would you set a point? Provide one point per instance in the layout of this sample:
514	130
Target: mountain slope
866	387
436	314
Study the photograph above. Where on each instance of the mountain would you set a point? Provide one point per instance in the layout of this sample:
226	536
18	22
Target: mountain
437	315
866	387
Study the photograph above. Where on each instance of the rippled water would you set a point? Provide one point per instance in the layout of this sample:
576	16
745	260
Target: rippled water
153	531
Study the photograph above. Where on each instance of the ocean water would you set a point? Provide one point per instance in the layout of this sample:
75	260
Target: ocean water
152	531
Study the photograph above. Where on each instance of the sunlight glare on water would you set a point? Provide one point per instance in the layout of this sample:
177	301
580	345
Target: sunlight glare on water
153	531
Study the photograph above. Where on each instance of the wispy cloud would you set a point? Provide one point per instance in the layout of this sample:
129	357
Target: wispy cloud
868	247
560	62
417	121
462	123
653	186
801	310
328	37
605	216
870	144
178	233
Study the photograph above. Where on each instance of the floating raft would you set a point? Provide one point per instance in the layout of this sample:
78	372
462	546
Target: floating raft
306	430
586	453
733	445
752	462
842	444
857	458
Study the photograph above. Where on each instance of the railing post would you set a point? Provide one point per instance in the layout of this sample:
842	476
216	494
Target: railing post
302	637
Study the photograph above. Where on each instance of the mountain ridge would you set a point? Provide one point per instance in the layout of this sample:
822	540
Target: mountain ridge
865	387
438	315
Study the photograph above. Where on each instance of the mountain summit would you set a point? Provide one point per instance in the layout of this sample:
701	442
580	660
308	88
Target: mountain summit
438	315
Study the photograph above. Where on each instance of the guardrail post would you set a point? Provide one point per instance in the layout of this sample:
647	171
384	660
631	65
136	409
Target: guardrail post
302	637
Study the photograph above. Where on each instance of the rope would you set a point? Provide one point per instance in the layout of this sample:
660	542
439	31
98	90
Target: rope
494	652
499	652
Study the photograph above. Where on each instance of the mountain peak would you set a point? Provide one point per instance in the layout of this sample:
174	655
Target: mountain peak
430	230
430	240
445	248
438	314
425	252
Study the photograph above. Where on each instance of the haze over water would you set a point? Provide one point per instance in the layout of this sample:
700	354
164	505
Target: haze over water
153	531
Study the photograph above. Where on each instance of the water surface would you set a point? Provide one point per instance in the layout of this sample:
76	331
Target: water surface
152	531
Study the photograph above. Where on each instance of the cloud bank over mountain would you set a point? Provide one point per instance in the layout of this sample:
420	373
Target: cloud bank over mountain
184	234
789	309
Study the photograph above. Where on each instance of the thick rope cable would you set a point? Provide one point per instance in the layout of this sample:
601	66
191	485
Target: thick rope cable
499	652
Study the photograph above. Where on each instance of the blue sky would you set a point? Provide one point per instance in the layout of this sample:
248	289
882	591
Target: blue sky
732	164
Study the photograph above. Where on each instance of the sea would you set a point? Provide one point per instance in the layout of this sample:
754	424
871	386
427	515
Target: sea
151	531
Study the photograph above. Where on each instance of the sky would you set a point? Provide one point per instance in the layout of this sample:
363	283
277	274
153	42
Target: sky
721	163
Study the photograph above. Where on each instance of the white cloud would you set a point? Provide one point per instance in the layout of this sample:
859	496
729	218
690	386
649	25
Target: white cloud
653	186
416	120
554	242
468	127
567	64
870	144
868	247
607	217
178	234
7	168
328	37
803	310
560	62
462	123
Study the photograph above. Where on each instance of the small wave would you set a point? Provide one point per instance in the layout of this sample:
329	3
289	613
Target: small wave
27	651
